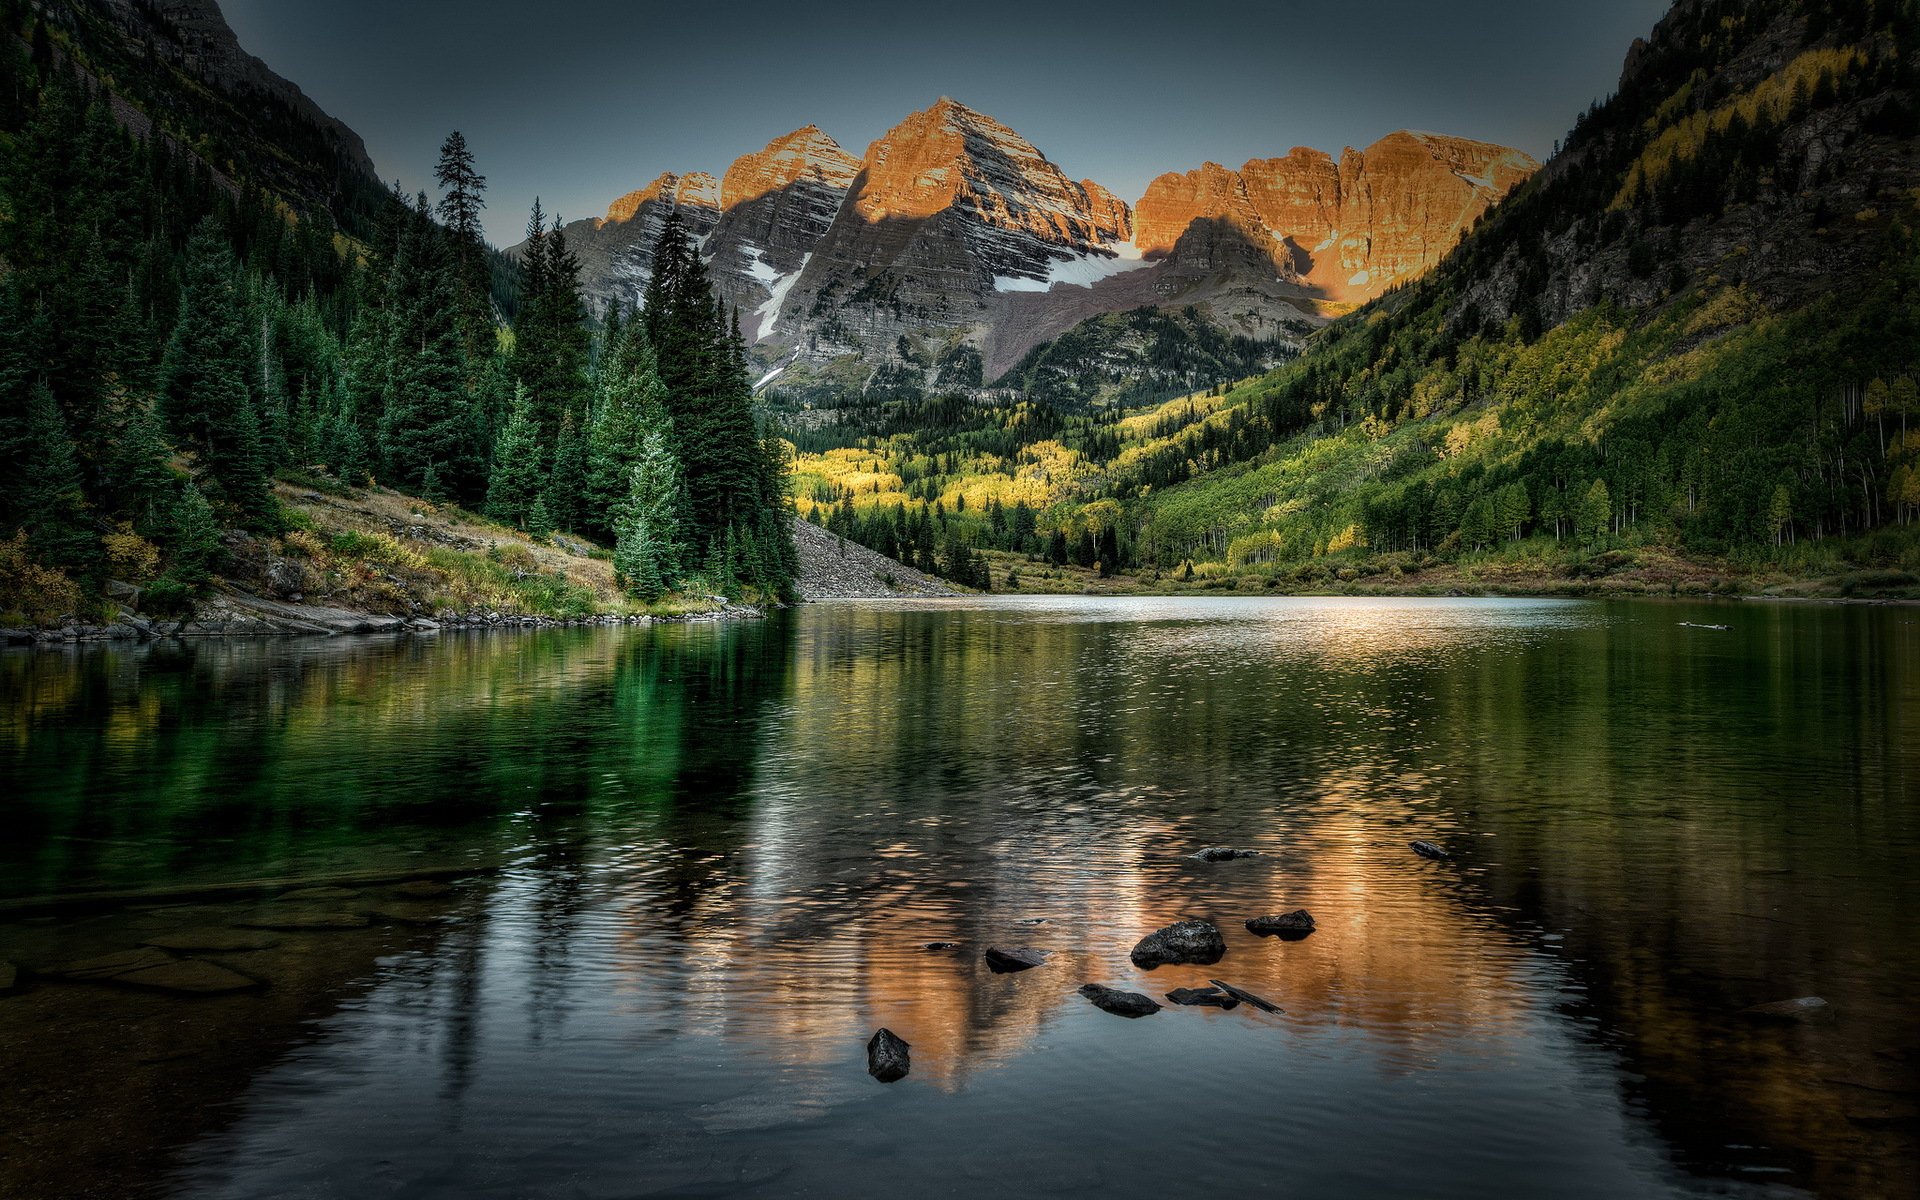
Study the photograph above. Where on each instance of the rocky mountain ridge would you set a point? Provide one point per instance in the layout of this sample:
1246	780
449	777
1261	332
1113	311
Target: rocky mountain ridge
954	246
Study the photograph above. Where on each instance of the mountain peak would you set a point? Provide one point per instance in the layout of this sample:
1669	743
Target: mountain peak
805	154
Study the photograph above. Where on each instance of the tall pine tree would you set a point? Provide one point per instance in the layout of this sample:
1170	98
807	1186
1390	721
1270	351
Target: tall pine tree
203	386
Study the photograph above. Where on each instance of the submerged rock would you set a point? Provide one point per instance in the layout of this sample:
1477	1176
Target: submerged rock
304	920
887	1057
1002	959
1209	997
1429	850
1246	996
939	945
1182	942
188	977
423	889
212	939
1805	1008
409	914
1291	926
1117	1002
319	893
106	966
1223	854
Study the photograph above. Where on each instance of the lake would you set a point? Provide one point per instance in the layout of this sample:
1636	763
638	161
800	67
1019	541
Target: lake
689	870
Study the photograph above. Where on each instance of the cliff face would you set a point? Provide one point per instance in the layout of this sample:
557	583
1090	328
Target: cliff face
1347	230
953	229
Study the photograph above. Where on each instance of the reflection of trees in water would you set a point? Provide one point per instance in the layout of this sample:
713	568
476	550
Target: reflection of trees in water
1711	827
216	759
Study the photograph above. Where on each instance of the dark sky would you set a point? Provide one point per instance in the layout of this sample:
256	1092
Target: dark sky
578	101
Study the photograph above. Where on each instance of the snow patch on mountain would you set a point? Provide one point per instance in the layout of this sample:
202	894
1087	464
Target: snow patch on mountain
1078	270
769	313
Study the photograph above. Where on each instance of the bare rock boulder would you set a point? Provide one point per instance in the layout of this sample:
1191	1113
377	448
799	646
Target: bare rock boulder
1181	942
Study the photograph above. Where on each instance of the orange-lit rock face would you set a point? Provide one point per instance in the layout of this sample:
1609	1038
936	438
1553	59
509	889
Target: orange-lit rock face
1297	195
1174	202
697	190
806	155
1353	228
623	209
951	157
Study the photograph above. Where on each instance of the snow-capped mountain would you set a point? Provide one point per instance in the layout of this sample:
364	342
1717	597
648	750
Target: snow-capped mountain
955	245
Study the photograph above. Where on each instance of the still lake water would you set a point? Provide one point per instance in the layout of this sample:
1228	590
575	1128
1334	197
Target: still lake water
720	848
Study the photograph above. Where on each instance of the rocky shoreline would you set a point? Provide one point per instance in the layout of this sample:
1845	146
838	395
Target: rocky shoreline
234	613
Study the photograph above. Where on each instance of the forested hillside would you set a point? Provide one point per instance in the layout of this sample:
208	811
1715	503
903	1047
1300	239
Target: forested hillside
201	292
1692	338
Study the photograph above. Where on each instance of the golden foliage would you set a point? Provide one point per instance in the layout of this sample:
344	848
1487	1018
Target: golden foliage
129	556
30	593
1769	99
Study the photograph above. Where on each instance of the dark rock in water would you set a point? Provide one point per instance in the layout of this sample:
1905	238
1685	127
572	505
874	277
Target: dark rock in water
296	920
887	1058
1805	1008
1290	926
215	939
1429	850
1117	1002
1246	996
1181	942
423	889
188	977
1223	854
1003	959
939	945
1210	997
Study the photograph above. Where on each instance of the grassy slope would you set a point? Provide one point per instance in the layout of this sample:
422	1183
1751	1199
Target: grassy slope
373	550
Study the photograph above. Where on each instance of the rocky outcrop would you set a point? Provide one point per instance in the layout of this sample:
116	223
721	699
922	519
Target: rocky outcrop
1223	854
1348	230
1288	926
1003	960
1206	997
1246	997
888	1059
1182	942
1117	1002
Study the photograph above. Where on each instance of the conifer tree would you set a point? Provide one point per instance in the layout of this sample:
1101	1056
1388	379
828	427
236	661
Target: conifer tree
519	467
462	199
566	491
425	421
632	404
550	334
51	497
203	385
733	479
